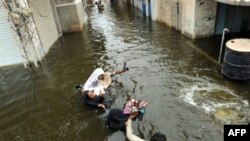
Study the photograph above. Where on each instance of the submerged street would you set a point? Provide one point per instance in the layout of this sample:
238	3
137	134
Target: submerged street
189	99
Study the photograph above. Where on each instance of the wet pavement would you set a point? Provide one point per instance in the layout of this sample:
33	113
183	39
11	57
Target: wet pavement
188	97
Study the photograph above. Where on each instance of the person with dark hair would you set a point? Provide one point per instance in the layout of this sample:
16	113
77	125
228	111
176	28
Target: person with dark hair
158	137
90	98
94	88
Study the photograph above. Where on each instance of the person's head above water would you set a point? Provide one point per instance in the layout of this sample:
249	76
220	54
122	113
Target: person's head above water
89	94
158	137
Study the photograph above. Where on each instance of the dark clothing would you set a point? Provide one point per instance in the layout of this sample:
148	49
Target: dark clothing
97	100
116	120
92	102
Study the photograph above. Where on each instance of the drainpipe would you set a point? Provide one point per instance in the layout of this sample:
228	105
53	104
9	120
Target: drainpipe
222	41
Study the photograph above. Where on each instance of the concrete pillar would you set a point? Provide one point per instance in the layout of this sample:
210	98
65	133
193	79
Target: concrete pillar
193	18
186	16
176	14
205	17
71	15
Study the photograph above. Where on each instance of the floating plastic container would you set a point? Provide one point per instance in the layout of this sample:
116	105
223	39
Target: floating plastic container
236	62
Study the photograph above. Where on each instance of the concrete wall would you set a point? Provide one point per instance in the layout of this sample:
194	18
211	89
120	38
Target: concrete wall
45	23
177	14
161	11
71	16
138	4
205	17
193	18
44	26
50	21
83	17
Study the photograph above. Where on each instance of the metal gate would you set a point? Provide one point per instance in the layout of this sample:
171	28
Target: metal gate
9	52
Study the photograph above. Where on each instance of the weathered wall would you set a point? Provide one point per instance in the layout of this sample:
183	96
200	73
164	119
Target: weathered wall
43	27
187	17
205	17
176	14
45	23
71	16
193	18
161	11
83	17
137	3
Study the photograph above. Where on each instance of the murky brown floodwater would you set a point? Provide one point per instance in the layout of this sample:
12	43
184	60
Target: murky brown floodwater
189	99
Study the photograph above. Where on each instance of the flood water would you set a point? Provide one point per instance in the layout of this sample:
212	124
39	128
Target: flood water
188	97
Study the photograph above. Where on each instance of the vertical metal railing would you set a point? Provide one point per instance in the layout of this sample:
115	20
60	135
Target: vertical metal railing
222	42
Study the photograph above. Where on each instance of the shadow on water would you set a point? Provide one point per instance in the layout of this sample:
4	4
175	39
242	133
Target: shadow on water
182	84
211	45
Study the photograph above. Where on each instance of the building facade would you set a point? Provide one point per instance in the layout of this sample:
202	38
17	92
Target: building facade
30	28
198	18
